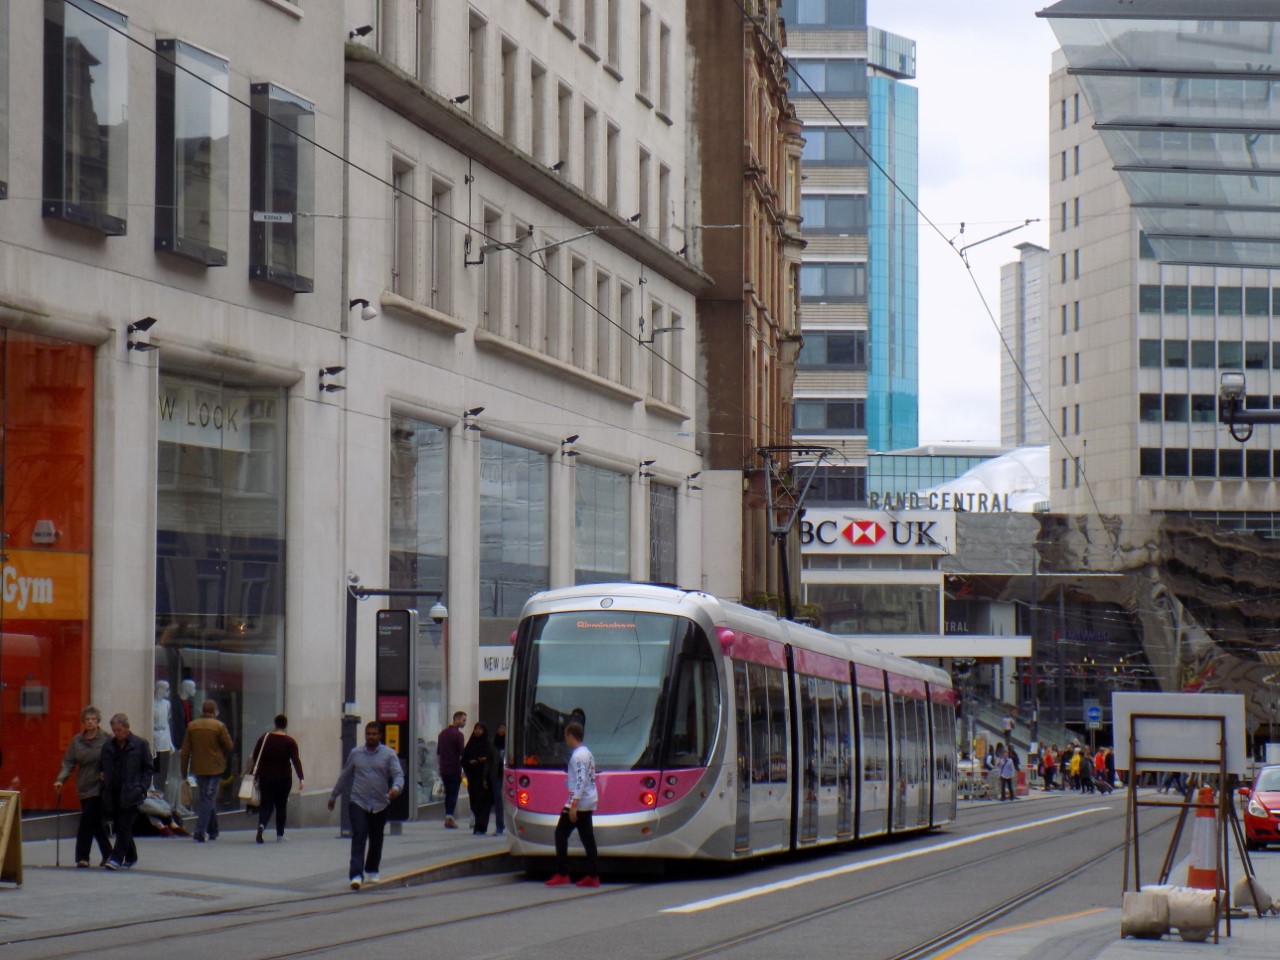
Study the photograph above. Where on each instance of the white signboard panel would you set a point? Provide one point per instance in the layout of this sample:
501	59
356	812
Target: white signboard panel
1179	731
495	663
918	532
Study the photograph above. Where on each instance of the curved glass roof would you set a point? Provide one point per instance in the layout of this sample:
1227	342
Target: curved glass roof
1183	95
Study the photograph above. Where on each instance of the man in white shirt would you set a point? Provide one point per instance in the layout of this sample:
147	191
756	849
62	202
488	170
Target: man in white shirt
578	810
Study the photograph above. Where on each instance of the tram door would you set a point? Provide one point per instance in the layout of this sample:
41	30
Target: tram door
764	811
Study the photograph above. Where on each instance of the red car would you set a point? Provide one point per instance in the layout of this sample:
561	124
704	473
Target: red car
1262	809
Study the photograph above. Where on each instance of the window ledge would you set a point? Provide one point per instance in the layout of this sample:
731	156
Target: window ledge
565	29
613	71
413	310
644	98
284	6
662	115
589	50
663	409
492	343
540	7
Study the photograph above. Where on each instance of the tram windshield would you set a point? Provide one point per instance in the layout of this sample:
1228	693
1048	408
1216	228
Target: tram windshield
611	671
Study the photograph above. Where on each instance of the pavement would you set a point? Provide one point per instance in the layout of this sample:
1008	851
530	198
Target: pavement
174	874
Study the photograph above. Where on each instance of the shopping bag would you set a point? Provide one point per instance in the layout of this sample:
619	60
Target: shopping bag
249	791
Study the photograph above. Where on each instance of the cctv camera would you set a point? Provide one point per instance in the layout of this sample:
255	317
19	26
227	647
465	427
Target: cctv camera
438	613
353	578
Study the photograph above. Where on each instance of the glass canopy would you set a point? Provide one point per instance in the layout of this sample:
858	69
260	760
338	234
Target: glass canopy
1186	97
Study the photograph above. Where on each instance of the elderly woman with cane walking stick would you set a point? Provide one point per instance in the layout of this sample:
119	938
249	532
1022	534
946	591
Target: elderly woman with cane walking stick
84	754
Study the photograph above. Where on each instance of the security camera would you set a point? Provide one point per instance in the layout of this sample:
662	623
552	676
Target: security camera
439	613
353	578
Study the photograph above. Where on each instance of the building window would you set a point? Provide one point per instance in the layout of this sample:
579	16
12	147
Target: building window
1257	355
831	416
657	351
1075	97
1076	215
86	115
1075	309
552	321
1063	481
590	150
494	304
538	111
510	66
514	534
522	316
646	18
1076	364
1076	409
1257	301
834	213
611	54
418	540
1149	408
403	227
835	146
1076	152
642	188
1077	469
1230	356
1176	300
626	335
1075	264
1064	216
192	173
1149	354
579	349
1175	353
842	486
590	20
1175	408
833	282
438	256
664	204
1064	421
1064	268
476	54
1064	369
1064	319
1230	463
606	332
664	68
601	525
1257	464
611	138
1149	461
1064	126
1064	164
1230	301
825	13
1149	298
1203	301
662	534
1204	408
833	351
841	77
1202	354
1176	463
1203	463
564	130
281	188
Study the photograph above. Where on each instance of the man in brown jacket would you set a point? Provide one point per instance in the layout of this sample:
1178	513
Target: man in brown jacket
204	755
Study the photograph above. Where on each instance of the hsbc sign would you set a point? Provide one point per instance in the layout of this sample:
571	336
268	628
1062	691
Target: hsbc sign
878	531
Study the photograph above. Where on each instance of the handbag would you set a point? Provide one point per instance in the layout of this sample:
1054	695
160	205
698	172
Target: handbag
249	790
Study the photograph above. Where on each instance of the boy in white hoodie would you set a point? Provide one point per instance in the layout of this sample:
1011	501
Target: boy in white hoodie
578	810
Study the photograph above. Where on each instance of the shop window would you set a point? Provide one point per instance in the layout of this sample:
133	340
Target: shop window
514	523
1149	462
1230	463
662	533
1230	301
281	188
1175	463
192	142
86	115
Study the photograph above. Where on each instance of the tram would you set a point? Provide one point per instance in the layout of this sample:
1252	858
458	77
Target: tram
719	732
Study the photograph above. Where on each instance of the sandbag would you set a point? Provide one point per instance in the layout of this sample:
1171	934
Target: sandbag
1191	911
1145	915
1257	898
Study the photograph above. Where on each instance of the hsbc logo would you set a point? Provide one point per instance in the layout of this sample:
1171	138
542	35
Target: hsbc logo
832	531
859	532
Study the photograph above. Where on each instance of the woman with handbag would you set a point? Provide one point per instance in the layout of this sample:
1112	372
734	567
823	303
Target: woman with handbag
475	764
275	757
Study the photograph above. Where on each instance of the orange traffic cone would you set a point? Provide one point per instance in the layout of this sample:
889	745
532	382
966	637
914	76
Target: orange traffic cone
1202	872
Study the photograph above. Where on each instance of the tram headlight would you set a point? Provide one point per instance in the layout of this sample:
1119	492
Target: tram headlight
524	781
673	780
648	799
650	783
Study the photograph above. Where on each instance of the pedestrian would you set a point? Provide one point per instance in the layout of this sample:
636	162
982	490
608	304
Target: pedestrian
496	766
84	754
578	810
1006	775
372	777
127	769
205	748
476	757
275	757
1008	723
449	747
1049	763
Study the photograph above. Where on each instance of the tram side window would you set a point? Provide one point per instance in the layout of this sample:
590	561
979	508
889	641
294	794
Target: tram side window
874	744
944	740
778	769
844	736
904	722
809	745
759	698
921	769
829	732
695	713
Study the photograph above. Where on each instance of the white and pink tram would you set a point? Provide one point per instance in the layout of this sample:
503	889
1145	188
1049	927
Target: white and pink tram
719	732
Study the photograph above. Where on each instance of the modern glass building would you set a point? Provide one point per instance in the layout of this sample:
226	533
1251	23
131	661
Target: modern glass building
857	384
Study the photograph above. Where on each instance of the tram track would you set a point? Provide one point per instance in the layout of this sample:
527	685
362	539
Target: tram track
245	917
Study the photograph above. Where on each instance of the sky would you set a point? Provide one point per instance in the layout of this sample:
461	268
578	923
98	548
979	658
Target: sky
982	70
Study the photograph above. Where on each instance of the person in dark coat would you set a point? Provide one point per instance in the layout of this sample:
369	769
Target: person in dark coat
84	755
127	769
476	757
449	747
275	757
496	764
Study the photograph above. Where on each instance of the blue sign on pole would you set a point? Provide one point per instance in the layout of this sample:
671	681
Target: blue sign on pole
1093	714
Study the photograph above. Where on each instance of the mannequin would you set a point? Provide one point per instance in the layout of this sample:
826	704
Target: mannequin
161	739
181	716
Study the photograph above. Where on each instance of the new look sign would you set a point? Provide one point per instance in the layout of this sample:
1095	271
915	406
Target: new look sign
919	532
